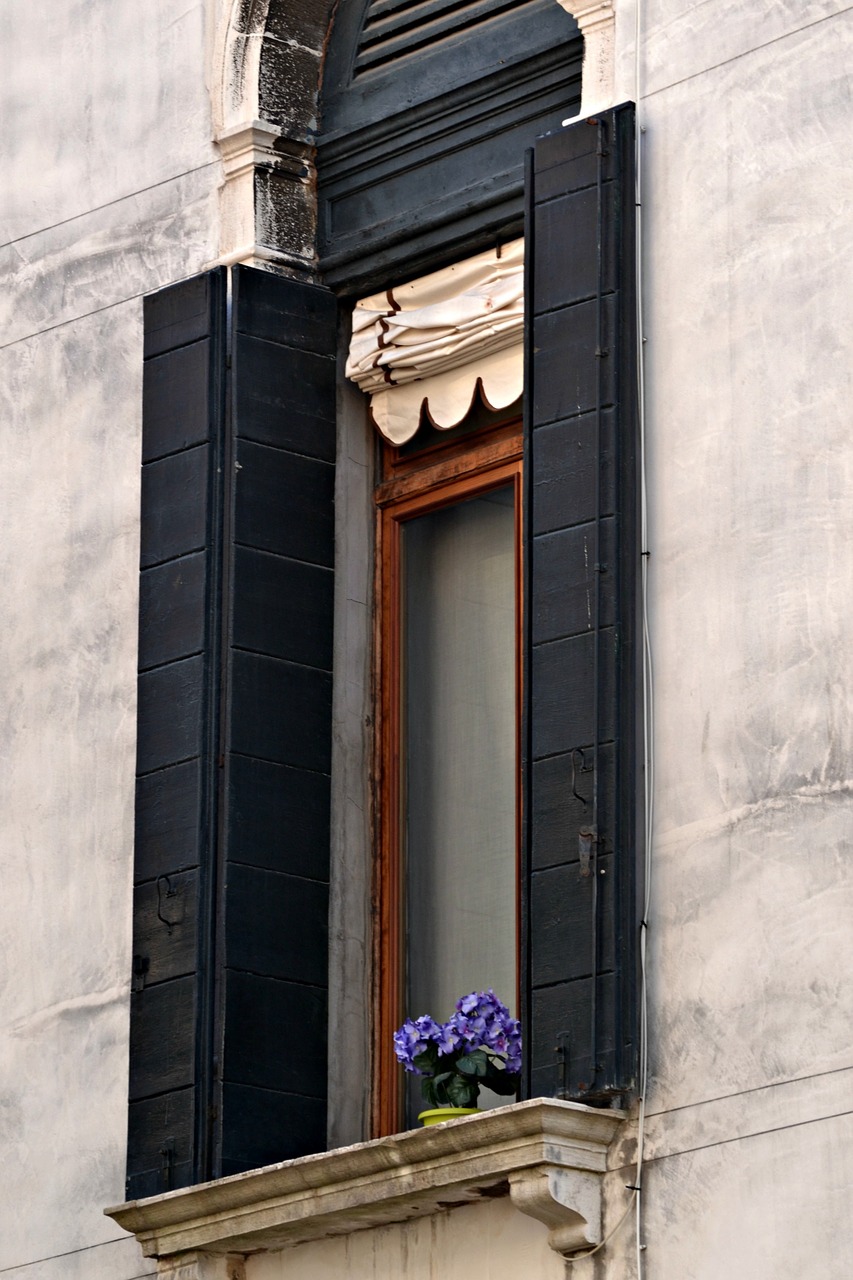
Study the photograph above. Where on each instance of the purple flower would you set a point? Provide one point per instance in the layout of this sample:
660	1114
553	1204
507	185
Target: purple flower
480	1022
449	1038
414	1038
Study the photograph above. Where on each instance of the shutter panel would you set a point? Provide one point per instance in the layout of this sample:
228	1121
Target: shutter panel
232	822
182	433
581	760
278	688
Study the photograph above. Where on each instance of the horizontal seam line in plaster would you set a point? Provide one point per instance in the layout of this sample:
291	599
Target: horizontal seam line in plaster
742	1093
732	818
69	1253
130	195
739	1137
85	315
747	52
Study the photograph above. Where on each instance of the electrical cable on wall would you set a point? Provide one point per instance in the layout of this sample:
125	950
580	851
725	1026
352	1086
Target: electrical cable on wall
648	669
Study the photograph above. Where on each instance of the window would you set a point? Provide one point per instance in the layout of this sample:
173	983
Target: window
448	679
237	663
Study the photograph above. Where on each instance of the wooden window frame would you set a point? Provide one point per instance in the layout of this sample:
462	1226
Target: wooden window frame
414	485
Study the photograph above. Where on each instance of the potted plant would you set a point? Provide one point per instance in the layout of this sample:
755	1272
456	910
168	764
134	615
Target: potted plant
479	1046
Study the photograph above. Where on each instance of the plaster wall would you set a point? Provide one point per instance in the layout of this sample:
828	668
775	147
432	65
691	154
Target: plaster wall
748	244
109	191
492	1241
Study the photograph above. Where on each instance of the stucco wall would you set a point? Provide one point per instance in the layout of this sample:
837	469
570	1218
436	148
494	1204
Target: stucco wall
749	241
109	191
492	1241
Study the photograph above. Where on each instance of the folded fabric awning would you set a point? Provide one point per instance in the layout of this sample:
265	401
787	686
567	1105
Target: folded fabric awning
431	343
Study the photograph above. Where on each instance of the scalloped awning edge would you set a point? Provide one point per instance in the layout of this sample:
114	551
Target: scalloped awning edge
431	343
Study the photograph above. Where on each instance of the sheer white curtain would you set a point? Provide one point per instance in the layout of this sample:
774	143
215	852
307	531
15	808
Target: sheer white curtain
460	742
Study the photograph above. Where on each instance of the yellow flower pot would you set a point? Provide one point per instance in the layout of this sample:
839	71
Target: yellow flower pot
439	1114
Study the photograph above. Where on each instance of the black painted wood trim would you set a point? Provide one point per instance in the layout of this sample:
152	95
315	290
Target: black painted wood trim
233	789
420	159
173	983
582	725
275	750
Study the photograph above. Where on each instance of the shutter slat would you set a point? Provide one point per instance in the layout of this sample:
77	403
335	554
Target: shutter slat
393	36
171	611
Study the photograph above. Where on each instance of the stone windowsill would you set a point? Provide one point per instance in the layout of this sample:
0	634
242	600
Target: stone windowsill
548	1155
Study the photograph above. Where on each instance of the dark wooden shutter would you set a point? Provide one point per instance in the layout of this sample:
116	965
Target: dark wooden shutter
582	767
228	1011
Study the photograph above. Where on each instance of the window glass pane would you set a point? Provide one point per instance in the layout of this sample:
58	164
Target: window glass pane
459	736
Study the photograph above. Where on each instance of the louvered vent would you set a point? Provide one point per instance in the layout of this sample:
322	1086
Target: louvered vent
395	29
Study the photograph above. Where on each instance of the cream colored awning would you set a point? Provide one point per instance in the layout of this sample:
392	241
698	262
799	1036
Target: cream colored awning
430	343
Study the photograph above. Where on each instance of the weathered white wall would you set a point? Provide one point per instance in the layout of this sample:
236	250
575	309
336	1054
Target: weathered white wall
492	1241
109	191
749	243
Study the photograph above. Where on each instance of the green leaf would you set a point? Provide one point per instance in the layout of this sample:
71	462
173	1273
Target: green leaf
462	1092
473	1064
426	1061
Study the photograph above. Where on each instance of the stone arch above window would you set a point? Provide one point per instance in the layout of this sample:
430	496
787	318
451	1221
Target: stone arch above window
415	116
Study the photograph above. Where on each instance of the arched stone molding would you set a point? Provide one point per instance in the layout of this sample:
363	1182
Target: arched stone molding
597	21
237	58
267	206
267	70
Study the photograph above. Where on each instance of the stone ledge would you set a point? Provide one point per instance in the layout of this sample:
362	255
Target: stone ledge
549	1155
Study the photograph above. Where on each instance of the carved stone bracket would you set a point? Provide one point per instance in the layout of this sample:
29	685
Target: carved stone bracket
568	1201
597	21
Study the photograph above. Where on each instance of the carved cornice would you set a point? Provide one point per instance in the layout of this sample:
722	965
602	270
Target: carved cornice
597	22
550	1155
589	14
243	147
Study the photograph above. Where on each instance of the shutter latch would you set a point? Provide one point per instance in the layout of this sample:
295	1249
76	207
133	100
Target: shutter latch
141	965
587	838
167	1164
171	903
